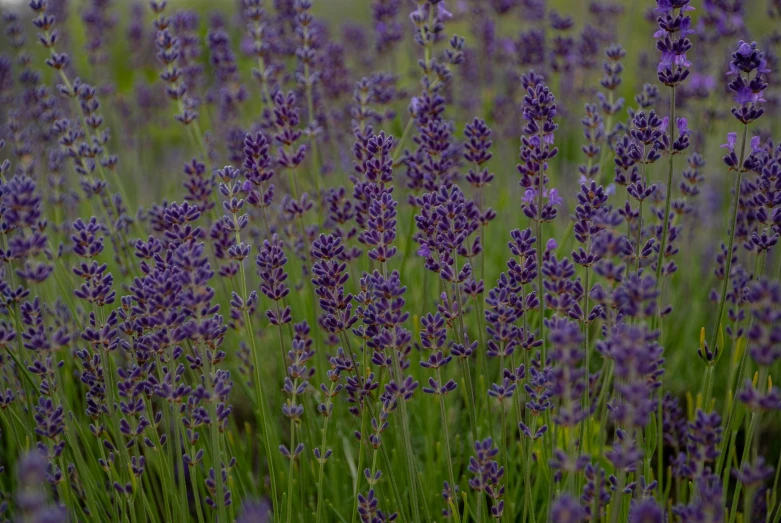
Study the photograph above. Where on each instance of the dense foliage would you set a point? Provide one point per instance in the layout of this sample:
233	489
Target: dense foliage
260	265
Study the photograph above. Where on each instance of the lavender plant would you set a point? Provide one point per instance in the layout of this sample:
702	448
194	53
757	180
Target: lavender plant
589	341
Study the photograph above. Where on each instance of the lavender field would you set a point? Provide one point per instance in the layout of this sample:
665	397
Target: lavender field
390	260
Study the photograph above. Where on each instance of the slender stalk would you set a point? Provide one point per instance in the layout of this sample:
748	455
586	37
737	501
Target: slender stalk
482	364
194	484
586	424
179	464
730	458
466	367
216	444
360	462
413	491
528	500
261	63
289	513
479	510
312	124
639	236
443	415
258	382
746	451
709	388
731	417
446	435
540	254
402	140
659	443
504	444
608	128
728	256
668	196
617	498
774	495
323	450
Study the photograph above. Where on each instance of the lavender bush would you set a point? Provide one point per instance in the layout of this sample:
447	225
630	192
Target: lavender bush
465	261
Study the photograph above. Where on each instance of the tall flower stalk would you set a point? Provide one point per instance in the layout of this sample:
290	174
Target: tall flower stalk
537	150
747	65
673	42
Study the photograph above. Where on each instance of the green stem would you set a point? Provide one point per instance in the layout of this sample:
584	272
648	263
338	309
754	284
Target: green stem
400	143
182	487
443	415
413	491
360	461
728	254
216	445
668	196
289	513
258	382
470	395
730	418
639	235
504	445
482	364
313	142
194	485
540	254
617	501
323	450
746	451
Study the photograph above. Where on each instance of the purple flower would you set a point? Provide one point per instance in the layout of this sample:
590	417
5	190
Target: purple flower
731	139
554	198
415	105
683	127
755	474
745	95
32	500
487	474
329	276
756	146
369	511
442	12
566	509
709	499
672	41
748	65
647	511
255	512
671	60
704	83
